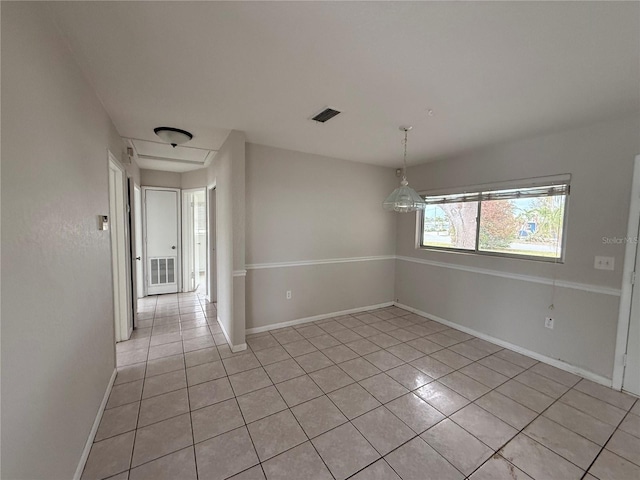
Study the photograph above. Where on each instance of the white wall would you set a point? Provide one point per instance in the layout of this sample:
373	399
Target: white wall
301	208
57	329
194	179
600	159
227	173
185	180
157	178
57	314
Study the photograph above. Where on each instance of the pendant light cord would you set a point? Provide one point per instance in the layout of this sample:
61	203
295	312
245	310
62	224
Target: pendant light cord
404	160
555	262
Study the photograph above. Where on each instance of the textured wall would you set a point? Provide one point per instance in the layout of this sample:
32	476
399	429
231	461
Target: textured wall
57	312
600	160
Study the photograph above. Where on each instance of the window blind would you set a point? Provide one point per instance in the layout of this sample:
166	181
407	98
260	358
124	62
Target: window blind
544	191
456	198
512	193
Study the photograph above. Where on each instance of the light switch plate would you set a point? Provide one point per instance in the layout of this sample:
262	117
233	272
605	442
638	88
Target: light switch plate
103	222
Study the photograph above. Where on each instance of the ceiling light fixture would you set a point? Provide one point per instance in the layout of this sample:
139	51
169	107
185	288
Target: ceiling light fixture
404	198
173	136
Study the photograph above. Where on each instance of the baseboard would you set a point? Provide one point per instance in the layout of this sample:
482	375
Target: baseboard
94	429
238	348
299	321
234	348
529	353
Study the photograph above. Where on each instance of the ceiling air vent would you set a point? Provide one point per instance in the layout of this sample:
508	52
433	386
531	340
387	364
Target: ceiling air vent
326	114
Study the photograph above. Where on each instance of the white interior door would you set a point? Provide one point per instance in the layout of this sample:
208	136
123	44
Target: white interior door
631	382
188	277
194	238
200	238
138	242
162	240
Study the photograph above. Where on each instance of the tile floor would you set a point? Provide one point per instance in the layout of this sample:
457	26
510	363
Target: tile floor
384	395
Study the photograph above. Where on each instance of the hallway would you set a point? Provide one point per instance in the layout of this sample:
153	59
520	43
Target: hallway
384	394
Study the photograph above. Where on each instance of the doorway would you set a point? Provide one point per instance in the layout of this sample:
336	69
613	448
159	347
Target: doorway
122	305
212	278
138	253
626	373
162	244
194	234
631	378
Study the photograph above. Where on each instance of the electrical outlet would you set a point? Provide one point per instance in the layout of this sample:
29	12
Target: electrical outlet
288	294
548	322
604	263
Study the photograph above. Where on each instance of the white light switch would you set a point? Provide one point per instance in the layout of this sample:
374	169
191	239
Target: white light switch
604	263
103	222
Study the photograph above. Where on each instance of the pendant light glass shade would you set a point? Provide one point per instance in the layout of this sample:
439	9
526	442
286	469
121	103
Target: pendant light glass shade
404	198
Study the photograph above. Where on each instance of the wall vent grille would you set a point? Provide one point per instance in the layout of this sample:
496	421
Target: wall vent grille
162	270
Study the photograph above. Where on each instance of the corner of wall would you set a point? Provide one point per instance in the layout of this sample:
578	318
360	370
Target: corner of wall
227	172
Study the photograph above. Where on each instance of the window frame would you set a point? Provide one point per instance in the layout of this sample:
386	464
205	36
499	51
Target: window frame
564	179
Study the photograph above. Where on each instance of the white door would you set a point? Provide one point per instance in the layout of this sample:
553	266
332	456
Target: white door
212	272
200	237
188	242
162	241
631	382
138	243
194	239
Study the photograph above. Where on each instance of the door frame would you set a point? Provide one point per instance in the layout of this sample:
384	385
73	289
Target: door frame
144	236
131	262
122	304
631	250
138	237
211	230
187	235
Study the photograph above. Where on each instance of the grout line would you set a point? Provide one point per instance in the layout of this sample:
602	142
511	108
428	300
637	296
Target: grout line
305	433
381	349
193	440
541	414
135	433
604	446
519	431
244	421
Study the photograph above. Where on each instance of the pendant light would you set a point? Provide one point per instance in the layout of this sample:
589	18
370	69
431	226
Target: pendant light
404	198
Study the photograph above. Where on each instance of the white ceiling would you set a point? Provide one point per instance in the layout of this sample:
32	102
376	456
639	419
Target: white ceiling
491	72
156	155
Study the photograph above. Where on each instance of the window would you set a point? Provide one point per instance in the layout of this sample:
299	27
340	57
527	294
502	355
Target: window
520	222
